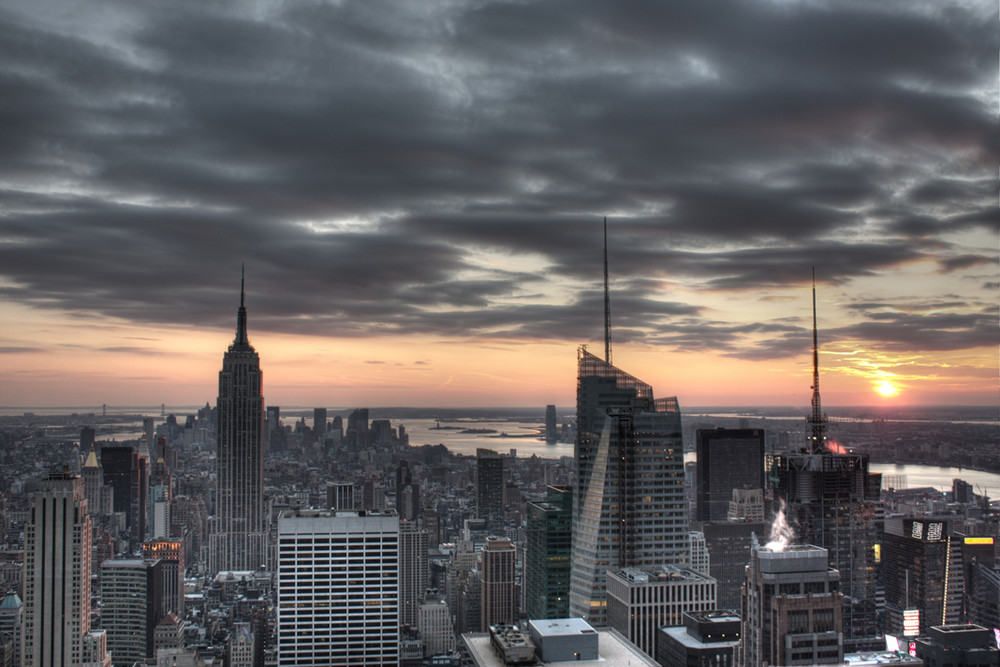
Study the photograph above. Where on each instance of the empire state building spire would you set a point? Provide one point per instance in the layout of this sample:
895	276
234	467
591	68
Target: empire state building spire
241	317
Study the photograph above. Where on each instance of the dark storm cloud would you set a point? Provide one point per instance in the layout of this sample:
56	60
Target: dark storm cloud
910	332
361	156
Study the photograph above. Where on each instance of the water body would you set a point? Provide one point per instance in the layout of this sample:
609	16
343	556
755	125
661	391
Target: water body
523	436
916	476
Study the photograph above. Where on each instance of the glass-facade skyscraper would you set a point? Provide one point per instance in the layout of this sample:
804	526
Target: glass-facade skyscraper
547	556
239	541
629	506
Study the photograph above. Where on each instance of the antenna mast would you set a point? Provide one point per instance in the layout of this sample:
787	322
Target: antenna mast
816	420
607	299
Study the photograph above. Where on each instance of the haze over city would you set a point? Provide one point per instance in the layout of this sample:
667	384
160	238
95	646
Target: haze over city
417	190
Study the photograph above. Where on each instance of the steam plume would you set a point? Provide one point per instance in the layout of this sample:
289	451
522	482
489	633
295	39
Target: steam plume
782	533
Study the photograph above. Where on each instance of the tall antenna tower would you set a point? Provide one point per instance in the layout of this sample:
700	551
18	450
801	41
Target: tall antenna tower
607	300
817	421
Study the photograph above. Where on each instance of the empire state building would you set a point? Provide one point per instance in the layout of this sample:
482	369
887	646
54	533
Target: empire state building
239	540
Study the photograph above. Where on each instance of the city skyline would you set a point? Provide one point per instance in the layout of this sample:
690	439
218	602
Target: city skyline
418	191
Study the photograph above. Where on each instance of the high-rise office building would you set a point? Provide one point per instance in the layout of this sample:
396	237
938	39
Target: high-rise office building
346	605
792	608
132	605
728	544
547	554
498	598
641	601
629	507
319	423
357	427
93	484
88	438
921	563
434	621
121	471
272	422
551	427
239	541
170	552
160	500
407	493
489	490
831	498
57	552
414	570
728	459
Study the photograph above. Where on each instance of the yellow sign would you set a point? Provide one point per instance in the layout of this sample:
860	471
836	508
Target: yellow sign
979	540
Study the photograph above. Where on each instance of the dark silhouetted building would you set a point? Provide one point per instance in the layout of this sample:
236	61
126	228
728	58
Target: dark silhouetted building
319	423
489	490
551	428
831	500
728	459
407	493
123	472
728	544
923	572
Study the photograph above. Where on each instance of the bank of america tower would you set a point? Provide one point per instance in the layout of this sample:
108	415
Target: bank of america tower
239	539
629	508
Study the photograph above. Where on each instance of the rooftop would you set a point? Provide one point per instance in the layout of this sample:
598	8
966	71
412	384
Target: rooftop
613	649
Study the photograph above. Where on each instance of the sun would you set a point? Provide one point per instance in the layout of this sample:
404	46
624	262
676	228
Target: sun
886	389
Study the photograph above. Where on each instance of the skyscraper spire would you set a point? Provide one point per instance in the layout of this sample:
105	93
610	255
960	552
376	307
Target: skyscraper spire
241	317
817	421
607	300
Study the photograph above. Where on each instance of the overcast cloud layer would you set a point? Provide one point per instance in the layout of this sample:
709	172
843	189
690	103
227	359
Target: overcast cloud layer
441	167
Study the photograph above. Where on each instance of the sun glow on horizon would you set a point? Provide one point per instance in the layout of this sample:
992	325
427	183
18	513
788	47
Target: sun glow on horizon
886	389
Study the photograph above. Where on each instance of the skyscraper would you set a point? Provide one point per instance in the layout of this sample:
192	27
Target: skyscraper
489	490
547	556
551	428
121	471
791	608
338	588
641	601
93	483
413	570
240	538
498	598
831	498
921	561
407	493
170	553
728	459
57	573
132	596
629	508
319	423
